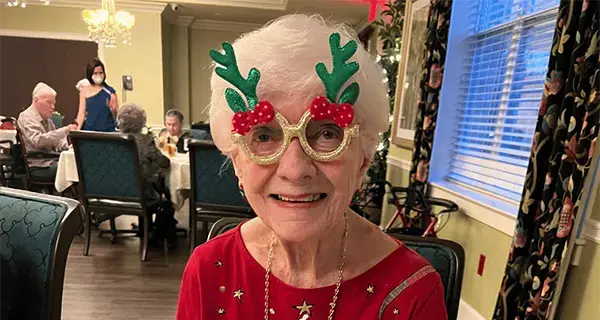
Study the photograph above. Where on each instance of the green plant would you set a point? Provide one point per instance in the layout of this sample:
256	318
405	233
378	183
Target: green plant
391	33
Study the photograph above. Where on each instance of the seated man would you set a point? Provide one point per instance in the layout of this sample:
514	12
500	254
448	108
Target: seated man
175	135
39	134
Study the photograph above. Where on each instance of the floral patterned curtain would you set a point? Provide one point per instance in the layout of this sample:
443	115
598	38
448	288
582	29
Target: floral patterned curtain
438	27
561	156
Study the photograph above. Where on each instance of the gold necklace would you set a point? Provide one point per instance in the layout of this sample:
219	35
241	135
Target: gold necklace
339	277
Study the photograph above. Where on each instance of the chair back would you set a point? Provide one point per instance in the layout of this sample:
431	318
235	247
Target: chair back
57	119
448	259
200	131
213	182
223	225
21	154
108	166
36	232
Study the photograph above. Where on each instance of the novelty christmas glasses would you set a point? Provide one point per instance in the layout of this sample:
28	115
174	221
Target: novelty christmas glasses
324	131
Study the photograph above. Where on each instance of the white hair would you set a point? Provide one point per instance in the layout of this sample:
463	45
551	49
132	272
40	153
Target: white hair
42	89
286	51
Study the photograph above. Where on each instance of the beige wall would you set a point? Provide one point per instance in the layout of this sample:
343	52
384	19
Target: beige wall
142	60
581	297
167	58
180	67
475	237
201	42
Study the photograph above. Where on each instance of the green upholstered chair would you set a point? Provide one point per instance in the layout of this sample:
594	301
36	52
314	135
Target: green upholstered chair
214	189
110	180
223	225
447	258
57	119
35	182
36	232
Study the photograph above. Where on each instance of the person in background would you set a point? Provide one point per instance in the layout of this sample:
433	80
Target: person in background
39	133
175	135
131	119
98	101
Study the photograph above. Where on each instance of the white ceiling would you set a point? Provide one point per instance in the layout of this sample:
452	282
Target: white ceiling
260	11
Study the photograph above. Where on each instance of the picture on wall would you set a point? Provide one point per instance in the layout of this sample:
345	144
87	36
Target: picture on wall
410	70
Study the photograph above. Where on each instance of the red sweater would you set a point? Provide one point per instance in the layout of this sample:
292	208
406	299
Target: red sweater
223	281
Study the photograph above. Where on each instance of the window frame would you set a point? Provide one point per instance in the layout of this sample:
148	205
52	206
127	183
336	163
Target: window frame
451	105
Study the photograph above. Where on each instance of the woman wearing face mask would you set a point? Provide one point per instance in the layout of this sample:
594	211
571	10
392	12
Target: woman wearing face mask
97	101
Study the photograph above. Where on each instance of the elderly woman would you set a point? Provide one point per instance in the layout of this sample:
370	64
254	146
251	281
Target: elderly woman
301	139
154	165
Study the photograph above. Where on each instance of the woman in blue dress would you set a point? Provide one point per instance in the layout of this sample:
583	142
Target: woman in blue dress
98	102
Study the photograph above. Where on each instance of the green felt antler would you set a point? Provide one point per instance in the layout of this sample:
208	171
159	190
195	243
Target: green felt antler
341	73
231	73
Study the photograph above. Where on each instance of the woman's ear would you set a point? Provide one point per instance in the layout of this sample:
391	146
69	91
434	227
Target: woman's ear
236	161
364	167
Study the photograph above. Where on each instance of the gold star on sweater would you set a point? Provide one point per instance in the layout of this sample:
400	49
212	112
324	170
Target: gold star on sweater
304	308
238	294
370	289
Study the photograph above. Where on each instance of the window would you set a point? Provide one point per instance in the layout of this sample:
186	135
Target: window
503	63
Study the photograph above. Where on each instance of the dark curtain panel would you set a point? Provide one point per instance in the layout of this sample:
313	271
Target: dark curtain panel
27	61
561	156
431	83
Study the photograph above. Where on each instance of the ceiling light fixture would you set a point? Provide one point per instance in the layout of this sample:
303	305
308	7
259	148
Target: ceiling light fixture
107	24
23	3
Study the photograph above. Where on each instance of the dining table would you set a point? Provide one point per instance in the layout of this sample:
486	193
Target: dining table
8	135
178	176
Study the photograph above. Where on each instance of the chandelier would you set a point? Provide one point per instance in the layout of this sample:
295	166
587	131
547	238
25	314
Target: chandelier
23	3
107	24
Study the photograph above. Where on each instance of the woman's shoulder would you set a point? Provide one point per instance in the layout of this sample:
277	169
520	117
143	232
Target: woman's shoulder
109	88
405	281
223	247
399	264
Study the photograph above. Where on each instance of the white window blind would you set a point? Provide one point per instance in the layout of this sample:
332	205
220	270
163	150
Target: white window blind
501	86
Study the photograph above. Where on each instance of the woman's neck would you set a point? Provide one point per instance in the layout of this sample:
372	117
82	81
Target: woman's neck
312	263
316	263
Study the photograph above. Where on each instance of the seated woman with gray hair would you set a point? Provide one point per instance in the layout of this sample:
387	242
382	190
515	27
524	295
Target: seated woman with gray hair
298	106
131	119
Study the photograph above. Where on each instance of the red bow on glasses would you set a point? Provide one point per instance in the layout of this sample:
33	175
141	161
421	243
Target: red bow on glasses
321	109
243	121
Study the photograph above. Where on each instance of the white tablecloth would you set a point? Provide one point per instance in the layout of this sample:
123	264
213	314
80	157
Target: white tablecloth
178	180
10	135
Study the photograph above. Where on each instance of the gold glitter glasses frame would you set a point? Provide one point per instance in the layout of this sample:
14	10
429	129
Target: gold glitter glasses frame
299	131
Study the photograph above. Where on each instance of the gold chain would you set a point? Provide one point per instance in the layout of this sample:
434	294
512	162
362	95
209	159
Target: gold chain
337	284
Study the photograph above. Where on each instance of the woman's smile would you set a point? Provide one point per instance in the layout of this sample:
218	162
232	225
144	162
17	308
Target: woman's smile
306	200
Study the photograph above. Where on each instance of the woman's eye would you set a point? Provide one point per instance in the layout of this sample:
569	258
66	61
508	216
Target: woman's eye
264	138
263	135
329	133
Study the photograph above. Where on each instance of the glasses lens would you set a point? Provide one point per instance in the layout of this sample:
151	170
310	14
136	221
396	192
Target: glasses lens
265	140
324	136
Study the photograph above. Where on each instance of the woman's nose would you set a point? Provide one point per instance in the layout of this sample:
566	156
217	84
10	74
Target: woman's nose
295	164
